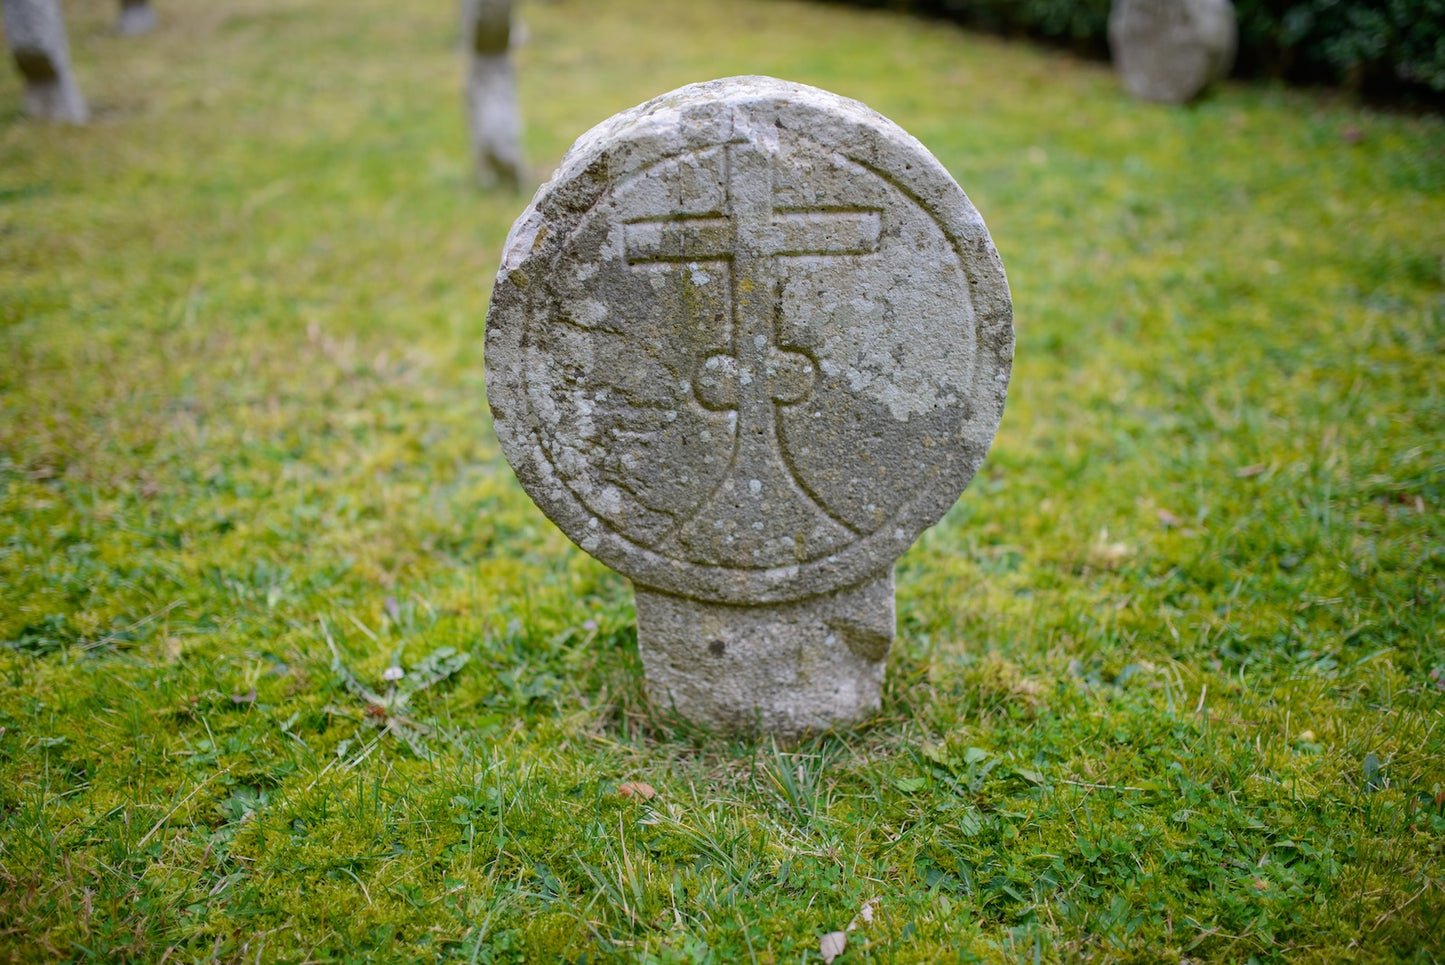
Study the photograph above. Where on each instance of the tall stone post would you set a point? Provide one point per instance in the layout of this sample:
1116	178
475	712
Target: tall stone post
496	126
35	30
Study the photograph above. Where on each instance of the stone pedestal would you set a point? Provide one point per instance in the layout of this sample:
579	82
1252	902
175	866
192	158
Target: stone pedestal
787	667
748	342
35	31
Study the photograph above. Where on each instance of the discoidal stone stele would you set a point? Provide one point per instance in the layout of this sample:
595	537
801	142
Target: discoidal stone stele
748	342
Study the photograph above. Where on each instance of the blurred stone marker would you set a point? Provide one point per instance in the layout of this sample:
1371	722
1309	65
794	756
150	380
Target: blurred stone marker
749	342
136	17
35	30
1170	50
492	92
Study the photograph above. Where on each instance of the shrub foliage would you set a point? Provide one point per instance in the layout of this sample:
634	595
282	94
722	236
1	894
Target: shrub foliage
1391	47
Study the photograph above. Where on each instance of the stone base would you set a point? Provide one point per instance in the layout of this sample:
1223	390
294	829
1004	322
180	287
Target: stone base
135	18
56	99
787	668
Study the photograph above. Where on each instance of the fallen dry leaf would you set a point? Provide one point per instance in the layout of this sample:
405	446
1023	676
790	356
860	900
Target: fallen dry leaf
645	792
831	945
865	914
1107	555
1245	472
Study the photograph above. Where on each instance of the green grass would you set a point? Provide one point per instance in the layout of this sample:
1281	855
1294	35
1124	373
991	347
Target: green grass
1170	678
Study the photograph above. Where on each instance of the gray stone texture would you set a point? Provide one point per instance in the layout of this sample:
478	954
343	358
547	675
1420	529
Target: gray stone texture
35	31
793	667
496	124
748	342
136	17
1170	50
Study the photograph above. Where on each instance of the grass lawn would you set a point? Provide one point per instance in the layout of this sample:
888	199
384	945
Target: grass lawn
1170	677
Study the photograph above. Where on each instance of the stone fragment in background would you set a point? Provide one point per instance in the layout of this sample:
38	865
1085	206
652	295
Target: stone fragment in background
35	31
136	17
496	126
749	342
1170	50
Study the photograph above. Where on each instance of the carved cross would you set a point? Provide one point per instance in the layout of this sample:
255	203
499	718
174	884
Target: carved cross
752	234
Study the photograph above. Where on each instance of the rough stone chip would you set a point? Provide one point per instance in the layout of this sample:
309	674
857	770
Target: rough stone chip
136	17
1170	50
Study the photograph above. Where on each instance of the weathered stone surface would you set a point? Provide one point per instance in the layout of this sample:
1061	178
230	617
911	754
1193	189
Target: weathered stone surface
492	92
136	17
787	667
35	31
1170	50
748	342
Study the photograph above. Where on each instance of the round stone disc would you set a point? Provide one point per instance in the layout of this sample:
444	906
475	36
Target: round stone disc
1170	50
748	342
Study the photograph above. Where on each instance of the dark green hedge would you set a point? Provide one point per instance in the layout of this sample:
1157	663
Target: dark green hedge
1390	47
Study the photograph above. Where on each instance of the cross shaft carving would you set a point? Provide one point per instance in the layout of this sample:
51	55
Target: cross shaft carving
751	235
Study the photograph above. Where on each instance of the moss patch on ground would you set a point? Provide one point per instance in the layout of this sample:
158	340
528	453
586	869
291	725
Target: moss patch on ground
1170	677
